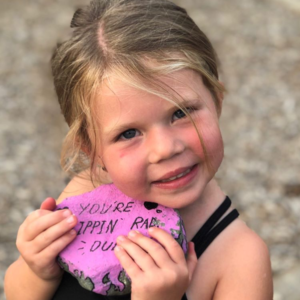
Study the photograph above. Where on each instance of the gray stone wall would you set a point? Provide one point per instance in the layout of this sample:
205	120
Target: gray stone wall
258	43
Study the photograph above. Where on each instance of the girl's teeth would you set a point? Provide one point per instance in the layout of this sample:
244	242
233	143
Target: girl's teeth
178	176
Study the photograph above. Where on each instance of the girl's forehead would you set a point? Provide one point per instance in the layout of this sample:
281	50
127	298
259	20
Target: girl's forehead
184	84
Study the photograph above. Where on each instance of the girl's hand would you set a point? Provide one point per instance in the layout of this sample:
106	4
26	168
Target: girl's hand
42	236
158	270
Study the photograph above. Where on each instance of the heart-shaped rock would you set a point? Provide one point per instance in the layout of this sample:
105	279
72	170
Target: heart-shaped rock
103	214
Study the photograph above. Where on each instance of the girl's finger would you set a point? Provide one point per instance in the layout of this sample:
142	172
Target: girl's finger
191	260
34	215
152	249
47	220
49	253
48	204
53	233
169	243
131	268
137	253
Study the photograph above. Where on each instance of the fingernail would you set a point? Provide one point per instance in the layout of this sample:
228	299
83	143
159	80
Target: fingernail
151	229
118	248
66	213
73	232
133	233
121	238
70	219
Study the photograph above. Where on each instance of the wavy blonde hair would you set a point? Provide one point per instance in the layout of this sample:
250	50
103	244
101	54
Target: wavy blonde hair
121	37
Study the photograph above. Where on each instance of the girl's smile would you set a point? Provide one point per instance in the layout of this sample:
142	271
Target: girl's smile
172	181
150	148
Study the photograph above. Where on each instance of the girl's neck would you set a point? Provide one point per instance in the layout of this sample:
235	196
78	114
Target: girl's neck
195	215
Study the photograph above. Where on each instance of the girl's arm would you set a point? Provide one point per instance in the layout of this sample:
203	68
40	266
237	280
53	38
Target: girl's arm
22	283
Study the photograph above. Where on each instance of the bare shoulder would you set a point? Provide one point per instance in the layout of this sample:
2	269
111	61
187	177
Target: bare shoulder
246	271
78	185
235	266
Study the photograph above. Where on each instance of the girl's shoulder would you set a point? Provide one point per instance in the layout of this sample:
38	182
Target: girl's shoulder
235	266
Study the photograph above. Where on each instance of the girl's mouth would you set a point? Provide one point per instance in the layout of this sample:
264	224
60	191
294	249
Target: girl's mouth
178	176
179	180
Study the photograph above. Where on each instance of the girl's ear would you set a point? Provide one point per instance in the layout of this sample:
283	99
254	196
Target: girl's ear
102	171
85	149
85	145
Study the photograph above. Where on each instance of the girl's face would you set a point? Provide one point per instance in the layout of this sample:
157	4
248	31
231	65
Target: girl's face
150	149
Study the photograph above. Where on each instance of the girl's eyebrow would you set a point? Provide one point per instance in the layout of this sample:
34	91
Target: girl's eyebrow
191	102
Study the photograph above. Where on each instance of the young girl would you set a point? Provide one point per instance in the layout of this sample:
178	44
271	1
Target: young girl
138	85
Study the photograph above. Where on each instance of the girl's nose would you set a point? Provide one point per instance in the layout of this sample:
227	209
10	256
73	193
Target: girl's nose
163	144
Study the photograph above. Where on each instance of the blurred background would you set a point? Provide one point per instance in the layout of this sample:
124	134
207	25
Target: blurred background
258	42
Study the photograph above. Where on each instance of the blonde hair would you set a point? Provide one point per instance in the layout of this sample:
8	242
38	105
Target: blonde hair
121	37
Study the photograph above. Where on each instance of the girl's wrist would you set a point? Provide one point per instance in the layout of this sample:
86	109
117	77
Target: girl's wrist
50	280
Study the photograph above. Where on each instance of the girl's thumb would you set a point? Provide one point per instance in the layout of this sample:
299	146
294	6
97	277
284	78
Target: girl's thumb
48	204
191	259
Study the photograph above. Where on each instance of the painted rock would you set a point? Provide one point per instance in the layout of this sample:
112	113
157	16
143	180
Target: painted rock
104	214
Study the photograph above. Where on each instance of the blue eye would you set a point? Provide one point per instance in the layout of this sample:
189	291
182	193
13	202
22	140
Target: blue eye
179	114
128	134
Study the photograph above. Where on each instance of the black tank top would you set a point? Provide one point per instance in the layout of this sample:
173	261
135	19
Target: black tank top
69	287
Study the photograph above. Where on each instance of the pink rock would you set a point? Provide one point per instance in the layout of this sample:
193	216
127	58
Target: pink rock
104	214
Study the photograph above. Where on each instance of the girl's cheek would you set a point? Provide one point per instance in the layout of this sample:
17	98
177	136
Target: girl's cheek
194	141
211	139
127	162
122	154
214	146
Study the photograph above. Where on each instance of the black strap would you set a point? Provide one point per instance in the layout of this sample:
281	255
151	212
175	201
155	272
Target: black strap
210	223
184	297
215	231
